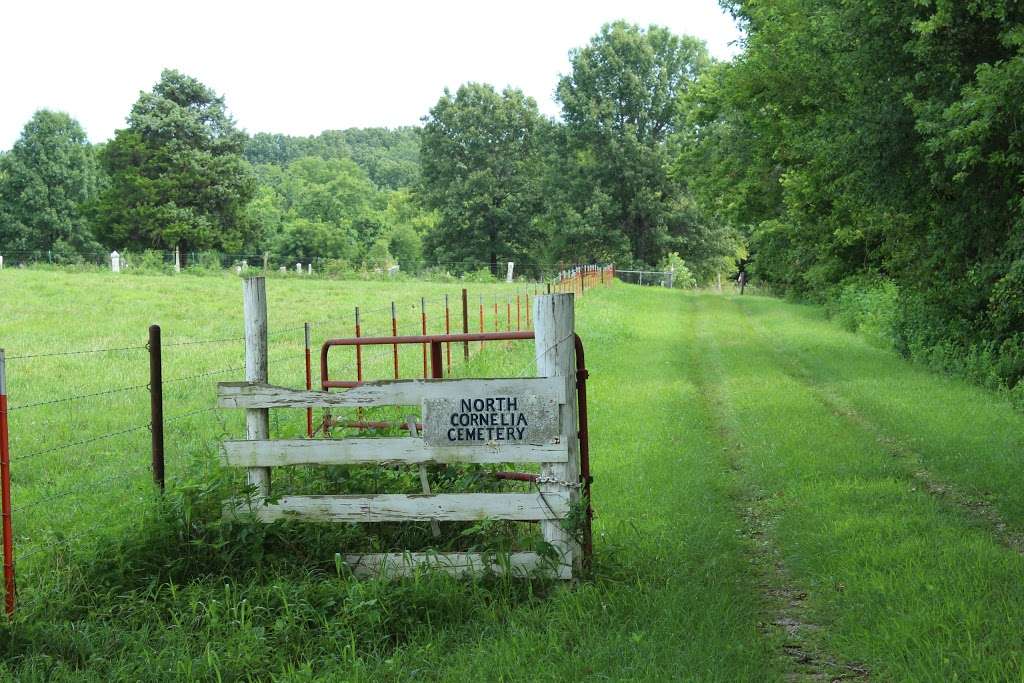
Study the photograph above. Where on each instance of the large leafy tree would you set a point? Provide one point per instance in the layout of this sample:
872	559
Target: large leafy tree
177	175
481	168
879	139
620	105
46	182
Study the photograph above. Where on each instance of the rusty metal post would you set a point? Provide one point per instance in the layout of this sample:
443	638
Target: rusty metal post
307	329
436	361
156	406
495	314
448	330
359	350
423	319
394	333
465	322
481	320
5	493
508	313
518	314
586	479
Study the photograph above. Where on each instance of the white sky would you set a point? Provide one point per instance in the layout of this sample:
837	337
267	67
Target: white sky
300	67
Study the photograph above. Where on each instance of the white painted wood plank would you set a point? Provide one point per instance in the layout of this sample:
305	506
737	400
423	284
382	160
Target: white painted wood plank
257	421
555	350
445	507
410	392
521	564
356	451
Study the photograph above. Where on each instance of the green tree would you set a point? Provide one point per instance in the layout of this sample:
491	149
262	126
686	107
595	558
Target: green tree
853	140
620	105
177	175
46	183
481	169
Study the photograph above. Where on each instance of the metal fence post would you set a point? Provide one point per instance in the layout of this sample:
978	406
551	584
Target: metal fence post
5	492
465	322
156	406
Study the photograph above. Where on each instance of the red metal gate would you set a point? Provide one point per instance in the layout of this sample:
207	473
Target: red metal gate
435	343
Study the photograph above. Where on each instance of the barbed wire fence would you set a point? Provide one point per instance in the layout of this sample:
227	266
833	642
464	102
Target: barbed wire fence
79	443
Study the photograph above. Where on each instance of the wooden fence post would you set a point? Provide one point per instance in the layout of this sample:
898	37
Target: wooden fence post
554	324
257	420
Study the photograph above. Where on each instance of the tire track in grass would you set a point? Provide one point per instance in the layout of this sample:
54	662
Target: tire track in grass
803	657
894	579
946	491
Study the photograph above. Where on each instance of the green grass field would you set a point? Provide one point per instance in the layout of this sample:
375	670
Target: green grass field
775	499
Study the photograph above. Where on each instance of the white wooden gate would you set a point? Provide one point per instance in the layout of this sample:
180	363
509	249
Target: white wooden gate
517	420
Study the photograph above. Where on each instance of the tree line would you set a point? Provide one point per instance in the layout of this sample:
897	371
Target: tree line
871	154
485	179
868	155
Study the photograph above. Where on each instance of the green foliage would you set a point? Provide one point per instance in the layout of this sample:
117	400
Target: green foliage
481	170
47	181
390	158
177	176
876	139
682	278
620	106
868	305
481	275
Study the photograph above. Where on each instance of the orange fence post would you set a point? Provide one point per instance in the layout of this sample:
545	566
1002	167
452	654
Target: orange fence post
423	318
394	333
5	492
447	330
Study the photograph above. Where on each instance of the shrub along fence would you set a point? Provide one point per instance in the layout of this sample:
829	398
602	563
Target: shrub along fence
70	467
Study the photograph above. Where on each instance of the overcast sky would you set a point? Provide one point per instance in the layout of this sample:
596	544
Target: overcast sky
300	67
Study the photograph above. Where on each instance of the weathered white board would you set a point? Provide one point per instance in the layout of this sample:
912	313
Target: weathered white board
493	419
457	564
445	507
410	392
283	452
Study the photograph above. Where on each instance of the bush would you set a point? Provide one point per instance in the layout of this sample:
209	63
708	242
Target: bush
481	275
148	262
682	278
867	305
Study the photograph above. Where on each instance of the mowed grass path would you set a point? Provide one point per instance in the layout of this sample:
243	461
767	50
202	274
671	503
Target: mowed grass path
882	497
775	499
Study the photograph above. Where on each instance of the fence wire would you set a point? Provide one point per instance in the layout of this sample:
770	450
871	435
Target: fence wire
73	476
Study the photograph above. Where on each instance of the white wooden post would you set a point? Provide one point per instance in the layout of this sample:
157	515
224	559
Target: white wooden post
309	270
298	268
508	275
115	262
257	420
177	259
554	325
